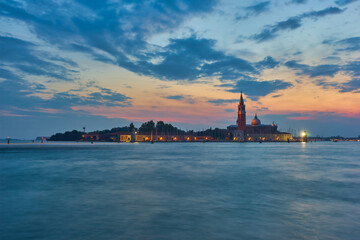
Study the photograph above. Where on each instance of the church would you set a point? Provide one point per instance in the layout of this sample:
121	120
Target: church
256	131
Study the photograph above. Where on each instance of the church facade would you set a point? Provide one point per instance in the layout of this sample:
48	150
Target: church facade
256	131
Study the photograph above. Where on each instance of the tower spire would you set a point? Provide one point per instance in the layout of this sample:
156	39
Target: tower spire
241	99
241	121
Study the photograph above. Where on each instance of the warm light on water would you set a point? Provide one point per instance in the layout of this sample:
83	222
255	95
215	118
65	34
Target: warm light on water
180	191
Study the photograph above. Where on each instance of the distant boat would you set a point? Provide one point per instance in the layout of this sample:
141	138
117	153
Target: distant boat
334	140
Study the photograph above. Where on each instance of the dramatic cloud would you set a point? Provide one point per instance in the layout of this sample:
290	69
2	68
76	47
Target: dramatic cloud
254	10
351	69
106	39
256	89
347	44
192	58
320	70
17	95
268	62
24	56
103	98
271	31
353	85
108	31
350	86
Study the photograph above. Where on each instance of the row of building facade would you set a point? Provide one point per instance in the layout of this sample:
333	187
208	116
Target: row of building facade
143	137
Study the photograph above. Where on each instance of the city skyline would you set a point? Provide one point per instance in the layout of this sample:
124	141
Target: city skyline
69	64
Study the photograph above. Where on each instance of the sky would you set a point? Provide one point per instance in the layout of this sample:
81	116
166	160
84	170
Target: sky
66	65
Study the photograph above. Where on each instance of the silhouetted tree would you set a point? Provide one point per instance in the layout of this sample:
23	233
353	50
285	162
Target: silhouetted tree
160	126
67	136
131	127
147	126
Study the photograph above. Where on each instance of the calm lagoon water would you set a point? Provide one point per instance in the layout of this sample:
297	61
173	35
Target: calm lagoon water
180	191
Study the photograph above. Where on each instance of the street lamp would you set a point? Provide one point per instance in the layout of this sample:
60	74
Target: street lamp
304	136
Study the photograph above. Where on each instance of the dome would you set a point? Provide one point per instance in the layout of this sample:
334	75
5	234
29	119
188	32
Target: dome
255	121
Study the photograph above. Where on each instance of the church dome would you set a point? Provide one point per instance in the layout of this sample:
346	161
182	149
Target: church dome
255	121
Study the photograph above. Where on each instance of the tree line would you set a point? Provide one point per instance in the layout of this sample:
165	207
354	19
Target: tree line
159	127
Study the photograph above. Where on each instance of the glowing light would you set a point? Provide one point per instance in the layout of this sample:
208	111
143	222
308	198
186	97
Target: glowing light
303	134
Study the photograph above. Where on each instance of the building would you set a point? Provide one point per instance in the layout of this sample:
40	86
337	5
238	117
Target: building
256	131
143	137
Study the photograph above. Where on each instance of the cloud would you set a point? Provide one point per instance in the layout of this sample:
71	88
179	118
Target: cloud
349	44
344	2
350	86
111	32
192	58
352	68
320	70
328	70
116	33
254	10
268	62
298	1
19	95
96	55
255	89
270	32
24	56
175	97
219	102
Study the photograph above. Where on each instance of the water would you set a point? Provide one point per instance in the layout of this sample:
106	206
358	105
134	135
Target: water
180	191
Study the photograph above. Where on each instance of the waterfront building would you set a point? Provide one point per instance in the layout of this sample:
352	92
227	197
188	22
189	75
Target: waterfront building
256	131
144	137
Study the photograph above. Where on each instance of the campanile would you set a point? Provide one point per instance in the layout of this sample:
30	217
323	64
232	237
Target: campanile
241	120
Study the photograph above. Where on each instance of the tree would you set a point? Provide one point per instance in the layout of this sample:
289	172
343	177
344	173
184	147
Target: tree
67	136
147	127
131	127
160	126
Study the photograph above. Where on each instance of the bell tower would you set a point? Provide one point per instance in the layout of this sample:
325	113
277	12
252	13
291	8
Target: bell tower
241	120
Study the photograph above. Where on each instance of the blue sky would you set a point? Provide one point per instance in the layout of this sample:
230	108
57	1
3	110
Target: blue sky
102	64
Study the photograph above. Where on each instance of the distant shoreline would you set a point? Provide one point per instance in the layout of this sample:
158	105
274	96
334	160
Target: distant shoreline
24	142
